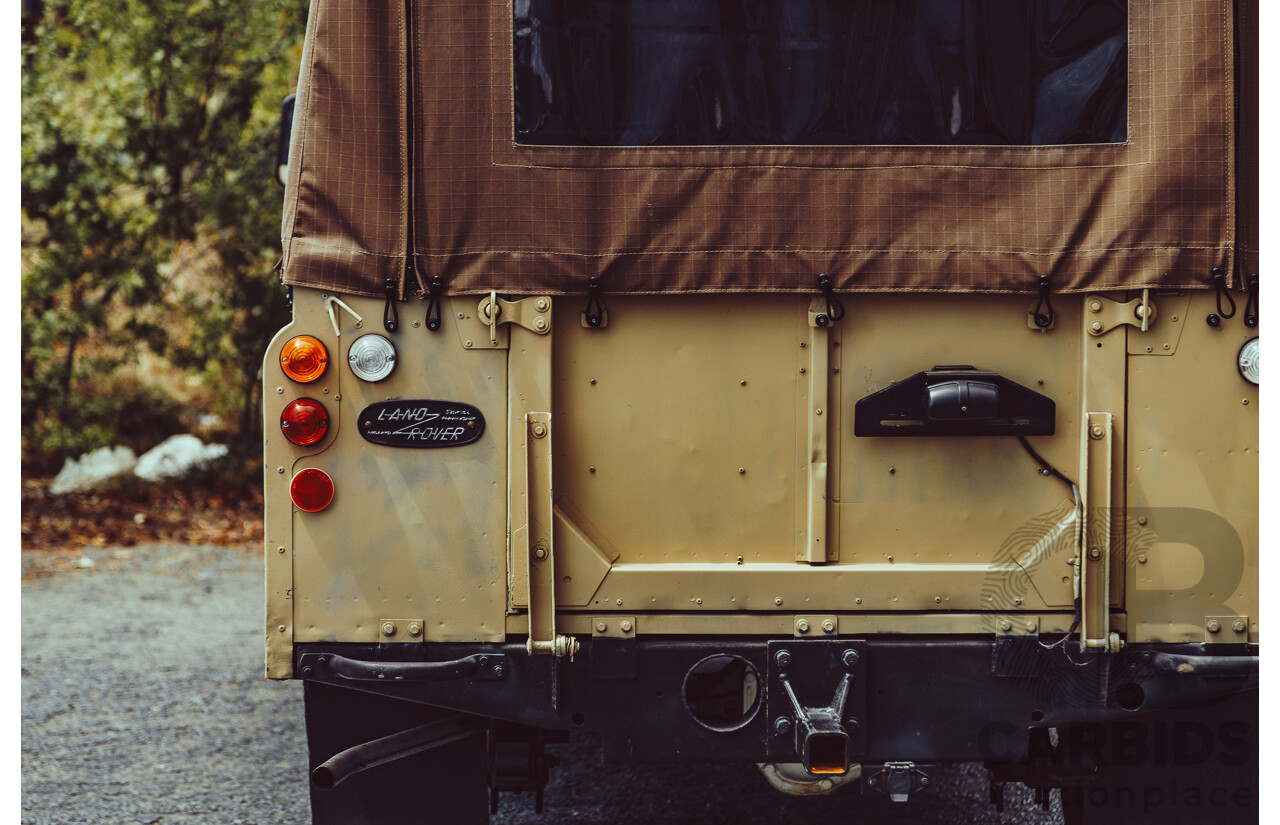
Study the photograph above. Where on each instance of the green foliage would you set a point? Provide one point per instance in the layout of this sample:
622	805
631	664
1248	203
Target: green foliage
150	210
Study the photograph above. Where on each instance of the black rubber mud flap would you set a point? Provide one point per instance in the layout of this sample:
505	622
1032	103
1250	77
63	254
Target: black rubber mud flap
1194	765
447	785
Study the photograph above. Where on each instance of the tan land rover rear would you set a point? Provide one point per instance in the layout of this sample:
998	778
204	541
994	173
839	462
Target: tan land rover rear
845	388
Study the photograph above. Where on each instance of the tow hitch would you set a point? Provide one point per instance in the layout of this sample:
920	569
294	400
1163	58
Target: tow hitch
820	737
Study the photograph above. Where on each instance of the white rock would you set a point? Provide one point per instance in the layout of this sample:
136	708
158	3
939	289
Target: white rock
176	456
91	469
85	562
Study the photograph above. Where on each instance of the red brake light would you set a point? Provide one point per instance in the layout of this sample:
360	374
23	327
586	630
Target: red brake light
311	490
304	422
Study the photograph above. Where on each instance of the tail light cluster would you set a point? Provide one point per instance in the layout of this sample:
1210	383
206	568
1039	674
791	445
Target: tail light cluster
305	421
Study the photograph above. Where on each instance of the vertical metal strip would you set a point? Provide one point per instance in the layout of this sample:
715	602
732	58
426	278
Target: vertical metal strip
814	531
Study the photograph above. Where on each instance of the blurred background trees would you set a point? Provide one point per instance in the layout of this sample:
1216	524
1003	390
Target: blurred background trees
150	217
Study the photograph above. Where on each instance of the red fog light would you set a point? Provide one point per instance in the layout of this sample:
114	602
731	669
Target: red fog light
304	422
311	490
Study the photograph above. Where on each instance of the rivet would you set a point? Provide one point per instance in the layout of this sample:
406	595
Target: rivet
388	628
1148	349
1142	519
325	391
1173	317
279	390
778	601
937	600
619	602
698	600
626	627
742	470
1097	431
743	382
1006	625
1017	602
858	600
417	324
1244	401
279	549
539	430
802	626
1030	625
818	411
1142	558
601	627
1166	346
802	370
279	469
892	470
591	469
593	381
1213	627
828	626
467	344
539	553
1237	626
461	316
337	398
1095	553
280	628
803	345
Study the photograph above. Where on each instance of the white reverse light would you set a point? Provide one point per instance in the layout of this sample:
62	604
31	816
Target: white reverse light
372	357
1248	360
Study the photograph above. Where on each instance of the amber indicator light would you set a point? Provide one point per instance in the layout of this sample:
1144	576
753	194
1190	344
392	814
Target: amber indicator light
304	422
311	490
304	358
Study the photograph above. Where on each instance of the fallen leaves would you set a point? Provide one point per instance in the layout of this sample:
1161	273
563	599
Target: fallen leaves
123	519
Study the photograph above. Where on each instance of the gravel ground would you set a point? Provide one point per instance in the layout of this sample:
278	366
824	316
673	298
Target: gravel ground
143	702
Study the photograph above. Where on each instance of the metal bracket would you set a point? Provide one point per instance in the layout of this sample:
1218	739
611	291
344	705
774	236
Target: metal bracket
1105	314
1226	629
1095	566
897	780
534	314
815	627
401	630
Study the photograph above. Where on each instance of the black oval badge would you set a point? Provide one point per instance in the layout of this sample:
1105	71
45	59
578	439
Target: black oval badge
421	423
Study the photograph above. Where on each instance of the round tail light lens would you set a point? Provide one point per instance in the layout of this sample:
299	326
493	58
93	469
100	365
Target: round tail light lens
311	490
304	422
304	359
1248	360
372	357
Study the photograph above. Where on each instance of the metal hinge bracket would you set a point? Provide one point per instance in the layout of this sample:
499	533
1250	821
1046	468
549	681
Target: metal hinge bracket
534	314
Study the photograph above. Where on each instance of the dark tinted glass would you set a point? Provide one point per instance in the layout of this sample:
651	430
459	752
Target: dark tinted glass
851	72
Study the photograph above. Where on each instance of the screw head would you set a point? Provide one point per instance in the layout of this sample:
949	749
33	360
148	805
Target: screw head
541	304
1095	553
1096	326
539	430
802	626
1213	320
850	658
1213	627
782	726
828	626
388	628
1095	306
1006	625
1142	558
415	629
1030	625
626	627
782	658
540	323
601	627
1238	626
539	553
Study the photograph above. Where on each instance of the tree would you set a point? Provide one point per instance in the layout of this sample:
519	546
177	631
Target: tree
147	135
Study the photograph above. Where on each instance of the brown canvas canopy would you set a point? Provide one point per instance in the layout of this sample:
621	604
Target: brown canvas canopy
407	136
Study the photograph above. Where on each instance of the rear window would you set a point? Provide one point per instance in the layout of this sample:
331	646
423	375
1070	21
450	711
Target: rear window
820	72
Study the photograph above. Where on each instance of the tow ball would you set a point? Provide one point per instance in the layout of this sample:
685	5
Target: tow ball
824	736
